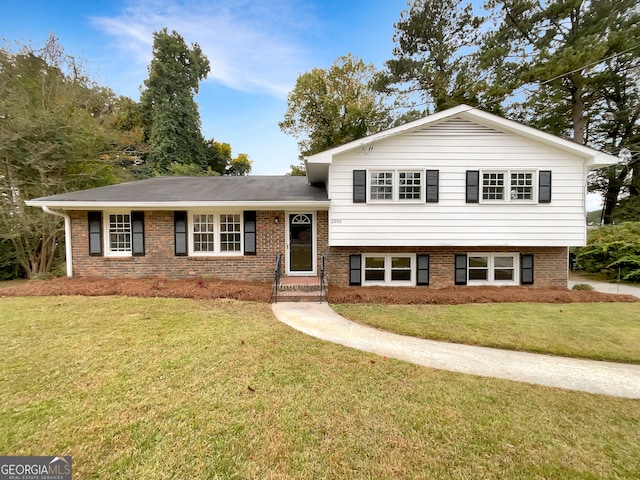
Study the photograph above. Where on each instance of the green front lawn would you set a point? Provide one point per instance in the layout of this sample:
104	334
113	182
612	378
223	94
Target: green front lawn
170	388
600	331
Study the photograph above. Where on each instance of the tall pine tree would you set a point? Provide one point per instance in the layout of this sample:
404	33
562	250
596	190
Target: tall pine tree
171	113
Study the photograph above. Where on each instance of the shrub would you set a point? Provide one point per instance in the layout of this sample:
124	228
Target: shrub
582	286
613	250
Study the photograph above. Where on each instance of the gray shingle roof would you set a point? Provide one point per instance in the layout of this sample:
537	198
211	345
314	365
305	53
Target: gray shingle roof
172	190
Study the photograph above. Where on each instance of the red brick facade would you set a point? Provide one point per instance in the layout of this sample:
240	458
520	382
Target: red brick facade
160	259
551	264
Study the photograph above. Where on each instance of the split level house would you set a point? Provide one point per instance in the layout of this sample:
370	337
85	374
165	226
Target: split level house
461	197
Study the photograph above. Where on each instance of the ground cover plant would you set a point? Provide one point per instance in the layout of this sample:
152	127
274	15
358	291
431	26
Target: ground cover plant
209	288
599	331
176	388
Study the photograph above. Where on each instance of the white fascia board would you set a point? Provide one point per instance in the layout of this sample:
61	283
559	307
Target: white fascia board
179	205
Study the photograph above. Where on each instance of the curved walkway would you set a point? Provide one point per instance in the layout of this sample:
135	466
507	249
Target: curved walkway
320	321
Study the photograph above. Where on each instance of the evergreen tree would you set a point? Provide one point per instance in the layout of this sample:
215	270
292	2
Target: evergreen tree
431	64
171	114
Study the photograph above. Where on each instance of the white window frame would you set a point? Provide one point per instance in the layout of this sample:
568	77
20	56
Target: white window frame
217	233
106	224
388	270
492	268
395	186
508	186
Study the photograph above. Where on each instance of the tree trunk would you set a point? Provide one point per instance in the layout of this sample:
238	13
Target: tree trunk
611	196
577	114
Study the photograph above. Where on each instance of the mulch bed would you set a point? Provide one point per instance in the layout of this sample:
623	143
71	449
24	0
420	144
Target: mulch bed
261	292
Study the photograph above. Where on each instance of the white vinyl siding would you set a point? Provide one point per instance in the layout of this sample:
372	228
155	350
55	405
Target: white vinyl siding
454	147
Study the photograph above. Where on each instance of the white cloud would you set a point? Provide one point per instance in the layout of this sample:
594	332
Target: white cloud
252	45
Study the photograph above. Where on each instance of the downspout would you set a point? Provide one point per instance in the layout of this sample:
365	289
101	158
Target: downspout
67	237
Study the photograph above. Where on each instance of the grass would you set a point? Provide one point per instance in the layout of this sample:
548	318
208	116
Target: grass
169	388
600	331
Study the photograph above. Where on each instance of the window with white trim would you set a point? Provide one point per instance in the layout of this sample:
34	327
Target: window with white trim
381	186
230	232
216	234
396	185
508	186
204	233
119	234
388	269
492	268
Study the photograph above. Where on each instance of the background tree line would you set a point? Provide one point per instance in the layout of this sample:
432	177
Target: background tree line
60	131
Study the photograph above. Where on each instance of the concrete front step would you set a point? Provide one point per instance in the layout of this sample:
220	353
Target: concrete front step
300	289
301	295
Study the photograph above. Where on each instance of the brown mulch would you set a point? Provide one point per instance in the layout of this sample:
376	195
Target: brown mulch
261	292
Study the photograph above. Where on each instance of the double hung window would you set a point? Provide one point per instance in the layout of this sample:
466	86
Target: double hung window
508	186
389	269
492	268
119	233
216	234
395	185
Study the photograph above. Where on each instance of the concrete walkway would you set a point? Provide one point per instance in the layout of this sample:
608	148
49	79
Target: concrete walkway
606	287
320	321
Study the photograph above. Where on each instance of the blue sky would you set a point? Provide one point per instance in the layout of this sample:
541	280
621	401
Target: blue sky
257	49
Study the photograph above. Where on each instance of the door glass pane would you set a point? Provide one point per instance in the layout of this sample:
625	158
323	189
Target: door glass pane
301	243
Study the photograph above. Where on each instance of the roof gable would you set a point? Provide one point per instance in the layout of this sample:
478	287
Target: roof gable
464	120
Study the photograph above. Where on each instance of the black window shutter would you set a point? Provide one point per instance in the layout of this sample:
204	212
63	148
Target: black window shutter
95	233
473	186
526	269
355	270
544	186
137	234
423	270
359	186
433	180
250	233
461	270
180	232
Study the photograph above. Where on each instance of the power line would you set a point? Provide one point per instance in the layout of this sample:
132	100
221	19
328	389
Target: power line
590	64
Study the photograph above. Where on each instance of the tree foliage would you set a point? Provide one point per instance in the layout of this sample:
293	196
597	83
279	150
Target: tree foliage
331	107
57	134
613	250
171	117
432	64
